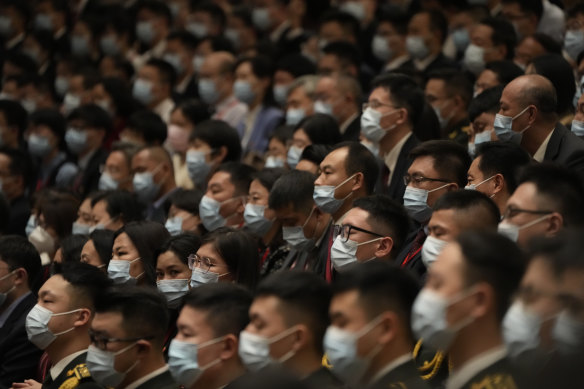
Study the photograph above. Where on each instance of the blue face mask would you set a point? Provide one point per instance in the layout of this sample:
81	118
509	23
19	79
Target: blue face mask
145	188
142	91
183	361
244	92
578	127
174	60
461	39
295	237
106	182
293	157
39	146
294	116
198	167
504	128
174	225
109	45
79	45
76	140
145	32
208	91
43	22
255	219
209	211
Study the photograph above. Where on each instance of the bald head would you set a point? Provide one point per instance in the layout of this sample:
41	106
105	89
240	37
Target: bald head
534	90
223	61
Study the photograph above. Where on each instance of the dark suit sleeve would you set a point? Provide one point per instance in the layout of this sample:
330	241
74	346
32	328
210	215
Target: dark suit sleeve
19	358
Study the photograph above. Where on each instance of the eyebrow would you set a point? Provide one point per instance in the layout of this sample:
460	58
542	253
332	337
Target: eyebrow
46	293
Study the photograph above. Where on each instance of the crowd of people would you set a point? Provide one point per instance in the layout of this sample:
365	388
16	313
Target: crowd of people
291	194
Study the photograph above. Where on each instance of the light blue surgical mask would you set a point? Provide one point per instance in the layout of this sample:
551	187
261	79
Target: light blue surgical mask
80	229
197	166
76	140
142	91
233	36
183	361
119	272
197	29
61	85
209	211
261	18
79	46
31	224
145	32
39	146
324	108
295	237
173	290
574	43
109	45
503	126
145	188
244	92
272	161
280	94
416	203
107	182
381	49
174	225
294	116
416	47
293	157
461	38
578	127
174	60
43	22
324	197
208	91
255	219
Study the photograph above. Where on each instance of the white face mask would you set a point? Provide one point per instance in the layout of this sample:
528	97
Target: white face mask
511	231
255	220
371	124
173	290
272	161
100	364
474	59
431	249
568	334
174	225
429	319
199	277
42	240
416	47
37	326
341	350
119	271
324	197
280	95
145	188
577	127
344	254
80	229
107	182
209	212
254	350
475	186
381	49
294	116
183	361
503	127
295	237
521	329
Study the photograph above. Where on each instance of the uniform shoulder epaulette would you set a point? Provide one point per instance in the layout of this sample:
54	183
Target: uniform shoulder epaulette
428	368
397	385
76	376
495	381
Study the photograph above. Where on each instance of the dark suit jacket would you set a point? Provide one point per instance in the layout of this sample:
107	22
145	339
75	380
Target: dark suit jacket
566	149
18	357
396	187
404	376
74	375
440	62
88	179
19	214
161	381
414	264
353	130
323	378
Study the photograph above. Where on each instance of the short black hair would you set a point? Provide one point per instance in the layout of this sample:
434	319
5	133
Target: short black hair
216	12
195	111
149	318
304	297
103	241
295	187
503	34
388	218
475	209
240	176
349	24
456	83
485	102
181	245
320	129
267	177
296	64
20	164
71	247
347	53
157	7
147	237
404	92
165	70
563	251
217	133
550	45
187	199
360	160
381	287
558	189
506	70
315	153
502	158
556	69
398	19
121	205
149	125
185	38
226	305
451	160
240	252
87	282
92	115
51	118
18	252
14	115
438	22
534	7
492	258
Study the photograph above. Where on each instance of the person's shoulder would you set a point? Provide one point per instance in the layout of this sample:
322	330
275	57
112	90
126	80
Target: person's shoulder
498	375
77	375
324	378
404	376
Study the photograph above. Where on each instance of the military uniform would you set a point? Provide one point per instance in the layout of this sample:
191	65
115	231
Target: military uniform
460	133
403	376
161	381
432	365
323	378
499	374
74	375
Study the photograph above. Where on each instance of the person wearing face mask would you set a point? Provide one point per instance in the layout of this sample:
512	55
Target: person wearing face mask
481	114
116	173
389	43
304	225
454	213
253	87
115	36
289	68
224	201
111	210
492	39
183	214
153	87
134	253
573	41
527	116
319	130
59	324
278	147
300	99
449	92
213	143
452	311
369	341
45	146
281	22
204	354
136	358
388	119
15	171
226	255
153	180
437	167
288	319
144	128
528	215
375	228
494	169
180	48
50	19
153	24
529	17
20	265
427	31
14	17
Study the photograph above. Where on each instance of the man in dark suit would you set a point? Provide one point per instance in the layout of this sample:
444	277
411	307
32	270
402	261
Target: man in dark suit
15	172
210	321
131	336
531	102
398	102
371	305
291	310
20	266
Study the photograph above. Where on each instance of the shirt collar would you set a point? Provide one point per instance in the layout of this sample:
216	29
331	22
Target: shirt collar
473	366
391	366
58	367
147	377
540	153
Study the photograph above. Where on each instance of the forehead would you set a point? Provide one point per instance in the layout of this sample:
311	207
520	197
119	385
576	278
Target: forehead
445	218
110	322
266	306
195	318
348	303
525	196
336	159
56	286
123	240
143	157
221	178
380	94
116	157
435	86
357	217
424	166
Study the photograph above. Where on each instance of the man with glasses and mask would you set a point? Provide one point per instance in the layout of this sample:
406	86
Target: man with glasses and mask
375	228
127	338
60	321
462	305
438	166
304	225
20	265
527	117
153	180
288	320
369	341
548	199
204	353
224	201
392	111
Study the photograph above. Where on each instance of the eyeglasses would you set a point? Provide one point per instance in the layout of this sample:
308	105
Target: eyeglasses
418	179
101	342
511	212
203	263
376	104
344	231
